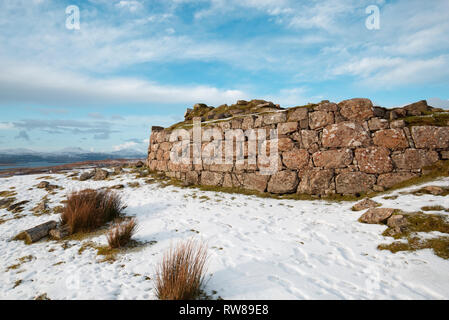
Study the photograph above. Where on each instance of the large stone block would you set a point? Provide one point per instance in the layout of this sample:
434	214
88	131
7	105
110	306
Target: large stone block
388	180
283	182
318	182
346	134
374	160
298	114
248	122
356	109
326	106
179	167
414	159
417	108
354	182
391	138
320	119
332	159
295	158
377	124
376	215
274	117
161	165
221	167
192	177
166	146
255	181
211	178
308	138
428	137
287	127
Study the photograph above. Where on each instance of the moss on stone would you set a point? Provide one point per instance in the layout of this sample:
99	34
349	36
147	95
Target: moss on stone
437	170
439	119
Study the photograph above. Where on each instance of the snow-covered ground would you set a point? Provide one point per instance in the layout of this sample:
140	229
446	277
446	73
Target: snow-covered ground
259	248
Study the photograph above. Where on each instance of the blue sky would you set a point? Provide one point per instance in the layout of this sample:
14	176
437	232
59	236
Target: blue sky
139	63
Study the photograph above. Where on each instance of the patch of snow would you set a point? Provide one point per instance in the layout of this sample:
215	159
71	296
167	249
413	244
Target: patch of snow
259	248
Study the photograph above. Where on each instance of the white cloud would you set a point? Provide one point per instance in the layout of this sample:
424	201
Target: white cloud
438	103
125	145
6	125
44	85
293	97
366	66
132	6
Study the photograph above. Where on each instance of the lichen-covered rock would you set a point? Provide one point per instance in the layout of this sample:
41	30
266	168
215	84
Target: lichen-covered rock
391	138
431	137
248	122
298	114
320	119
285	144
435	190
274	117
295	158
326	106
417	108
366	203
397	124
376	215
354	182
211	178
356	109
374	160
345	134
87	175
332	159
414	159
287	127
377	124
397	221
308	138
255	181
192	177
281	182
389	180
100	174
316	182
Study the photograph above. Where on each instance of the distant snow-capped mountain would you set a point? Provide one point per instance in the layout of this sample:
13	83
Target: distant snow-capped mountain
20	155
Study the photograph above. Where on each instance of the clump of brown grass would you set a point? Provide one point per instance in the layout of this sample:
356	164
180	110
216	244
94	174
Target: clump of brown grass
120	234
181	273
87	210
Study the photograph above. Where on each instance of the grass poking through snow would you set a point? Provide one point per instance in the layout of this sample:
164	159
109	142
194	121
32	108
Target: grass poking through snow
121	233
181	273
88	209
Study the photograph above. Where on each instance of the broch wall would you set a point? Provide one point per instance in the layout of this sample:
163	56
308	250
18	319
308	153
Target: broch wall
351	147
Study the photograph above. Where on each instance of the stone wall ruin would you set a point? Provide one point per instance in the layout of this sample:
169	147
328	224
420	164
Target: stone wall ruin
327	148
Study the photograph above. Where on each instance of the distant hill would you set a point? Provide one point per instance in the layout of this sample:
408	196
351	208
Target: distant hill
67	155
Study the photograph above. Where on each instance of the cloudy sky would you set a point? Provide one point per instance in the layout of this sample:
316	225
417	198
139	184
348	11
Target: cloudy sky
133	64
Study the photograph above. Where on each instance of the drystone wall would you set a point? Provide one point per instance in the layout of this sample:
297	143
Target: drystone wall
327	148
